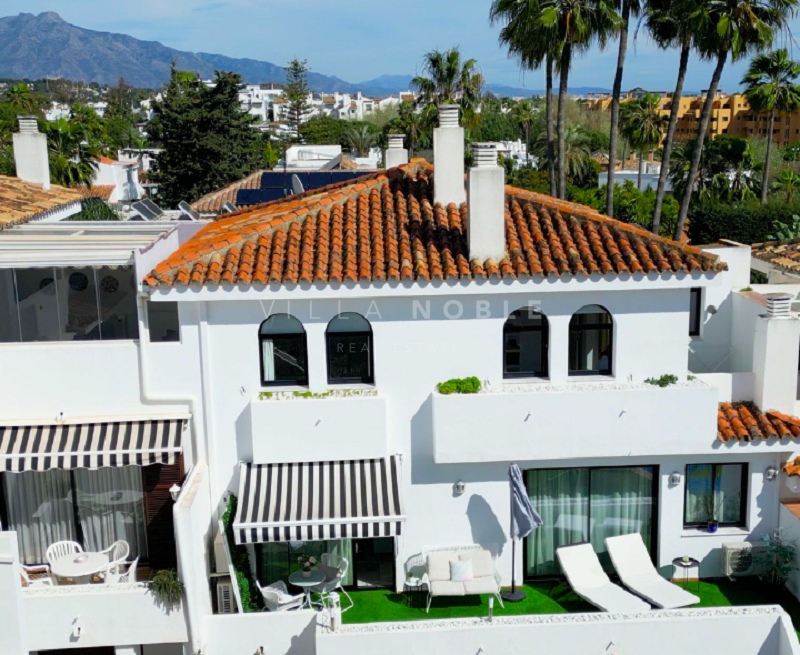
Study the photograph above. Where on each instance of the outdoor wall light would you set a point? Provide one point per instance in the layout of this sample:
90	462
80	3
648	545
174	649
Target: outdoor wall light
771	473
174	491
458	488
712	309
674	478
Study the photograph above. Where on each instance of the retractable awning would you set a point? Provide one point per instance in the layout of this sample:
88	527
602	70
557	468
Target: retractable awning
90	445
319	500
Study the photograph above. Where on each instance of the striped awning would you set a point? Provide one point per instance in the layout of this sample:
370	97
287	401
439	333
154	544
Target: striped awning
90	445
315	501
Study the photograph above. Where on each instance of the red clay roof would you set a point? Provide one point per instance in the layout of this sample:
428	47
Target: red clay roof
211	203
743	421
101	191
385	226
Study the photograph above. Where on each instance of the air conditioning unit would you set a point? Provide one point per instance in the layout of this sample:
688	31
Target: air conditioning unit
741	558
226	604
220	559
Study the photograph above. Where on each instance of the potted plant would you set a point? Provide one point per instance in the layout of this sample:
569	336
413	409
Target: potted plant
306	562
713	510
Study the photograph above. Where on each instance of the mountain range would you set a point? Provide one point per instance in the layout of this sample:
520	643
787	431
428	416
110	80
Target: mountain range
46	46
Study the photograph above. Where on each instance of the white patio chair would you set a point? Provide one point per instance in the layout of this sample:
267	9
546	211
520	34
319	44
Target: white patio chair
324	589
36	576
587	579
115	576
632	561
117	553
62	549
277	597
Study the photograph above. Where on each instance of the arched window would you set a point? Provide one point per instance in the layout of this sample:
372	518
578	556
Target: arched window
349	340
525	337
590	341
284	354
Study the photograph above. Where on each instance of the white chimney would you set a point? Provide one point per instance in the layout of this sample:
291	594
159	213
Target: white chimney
30	153
487	205
775	356
395	154
448	158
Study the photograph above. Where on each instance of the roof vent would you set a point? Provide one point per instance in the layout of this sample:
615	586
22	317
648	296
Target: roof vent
448	115
396	141
484	154
28	124
779	305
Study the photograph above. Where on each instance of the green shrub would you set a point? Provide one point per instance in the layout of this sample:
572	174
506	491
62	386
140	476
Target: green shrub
248	589
459	385
664	381
167	588
743	222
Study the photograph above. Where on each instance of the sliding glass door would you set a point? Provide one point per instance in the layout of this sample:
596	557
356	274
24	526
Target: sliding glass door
94	508
588	505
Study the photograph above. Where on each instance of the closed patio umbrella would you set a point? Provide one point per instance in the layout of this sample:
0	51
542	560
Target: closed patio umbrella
524	520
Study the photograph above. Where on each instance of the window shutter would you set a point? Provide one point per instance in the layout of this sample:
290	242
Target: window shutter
158	503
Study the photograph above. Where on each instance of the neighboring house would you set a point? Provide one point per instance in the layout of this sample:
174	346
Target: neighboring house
121	177
778	260
24	202
290	354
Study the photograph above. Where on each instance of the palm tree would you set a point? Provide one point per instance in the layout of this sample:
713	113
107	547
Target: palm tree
789	182
574	23
628	7
770	87
21	99
534	44
642	124
360	138
524	114
72	162
449	80
729	27
670	24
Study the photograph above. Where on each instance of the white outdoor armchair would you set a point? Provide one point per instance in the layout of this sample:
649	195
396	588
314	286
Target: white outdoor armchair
277	597
587	579
116	576
117	554
36	576
636	570
337	570
62	549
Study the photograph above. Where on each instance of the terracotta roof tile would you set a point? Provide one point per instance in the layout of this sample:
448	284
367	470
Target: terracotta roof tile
21	201
100	191
783	255
743	421
211	203
385	226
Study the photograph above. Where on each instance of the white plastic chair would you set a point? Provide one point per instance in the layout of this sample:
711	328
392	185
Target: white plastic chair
632	561
587	579
62	549
325	588
115	576
278	599
37	576
117	553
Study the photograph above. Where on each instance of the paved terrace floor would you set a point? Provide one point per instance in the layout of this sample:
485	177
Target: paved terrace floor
550	598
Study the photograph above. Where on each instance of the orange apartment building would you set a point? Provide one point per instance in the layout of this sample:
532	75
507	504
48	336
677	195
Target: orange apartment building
731	115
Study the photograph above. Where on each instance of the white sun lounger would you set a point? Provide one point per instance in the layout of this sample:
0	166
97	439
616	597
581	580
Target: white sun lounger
636	570
587	579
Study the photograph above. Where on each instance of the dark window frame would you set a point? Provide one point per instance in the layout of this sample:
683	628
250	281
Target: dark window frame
544	328
744	492
696	302
367	379
586	327
299	382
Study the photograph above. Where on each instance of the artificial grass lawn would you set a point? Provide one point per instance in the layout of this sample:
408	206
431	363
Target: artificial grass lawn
550	598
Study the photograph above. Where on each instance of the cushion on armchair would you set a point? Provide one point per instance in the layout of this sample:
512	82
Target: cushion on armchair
482	564
461	571
439	566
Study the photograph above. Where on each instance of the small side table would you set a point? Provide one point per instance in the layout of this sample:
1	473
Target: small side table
679	563
298	580
413	583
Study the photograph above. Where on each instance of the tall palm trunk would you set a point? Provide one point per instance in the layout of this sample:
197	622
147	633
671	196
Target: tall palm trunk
673	123
563	84
698	146
551	150
765	180
615	94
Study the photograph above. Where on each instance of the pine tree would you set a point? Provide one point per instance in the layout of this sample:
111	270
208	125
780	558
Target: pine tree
207	140
297	92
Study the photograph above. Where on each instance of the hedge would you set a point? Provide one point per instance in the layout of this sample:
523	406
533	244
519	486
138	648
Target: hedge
248	589
460	385
750	223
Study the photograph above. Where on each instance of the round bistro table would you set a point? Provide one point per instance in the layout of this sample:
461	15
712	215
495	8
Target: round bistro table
298	580
68	567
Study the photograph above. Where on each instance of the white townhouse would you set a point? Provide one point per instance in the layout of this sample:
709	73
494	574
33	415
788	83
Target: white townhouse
288	356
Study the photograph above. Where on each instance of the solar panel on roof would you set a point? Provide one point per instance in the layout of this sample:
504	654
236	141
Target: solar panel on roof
147	209
228	207
248	197
317	180
187	213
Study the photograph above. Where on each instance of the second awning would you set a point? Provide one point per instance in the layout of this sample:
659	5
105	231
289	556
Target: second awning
319	500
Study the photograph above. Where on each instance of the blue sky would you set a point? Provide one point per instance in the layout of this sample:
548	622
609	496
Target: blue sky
358	40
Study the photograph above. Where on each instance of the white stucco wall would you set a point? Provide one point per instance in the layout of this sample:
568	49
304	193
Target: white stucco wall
280	633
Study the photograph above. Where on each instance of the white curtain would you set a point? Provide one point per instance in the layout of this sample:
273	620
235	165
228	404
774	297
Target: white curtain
111	507
40	510
268	360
